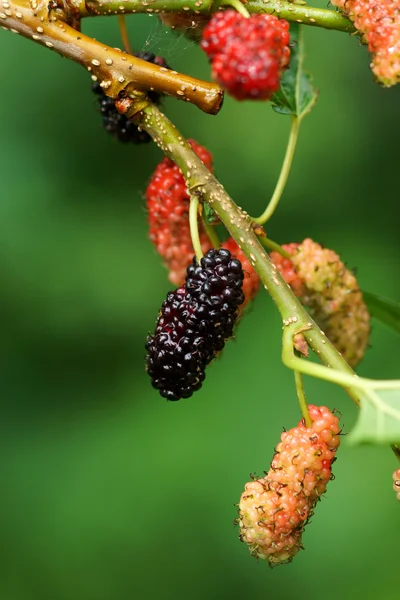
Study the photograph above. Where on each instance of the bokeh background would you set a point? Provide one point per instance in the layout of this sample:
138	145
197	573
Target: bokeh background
109	492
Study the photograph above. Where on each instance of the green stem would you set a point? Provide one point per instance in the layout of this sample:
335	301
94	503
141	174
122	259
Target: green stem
200	181
340	377
300	13
236	4
295	318
353	384
302	398
284	174
211	233
273	246
194	226
124	33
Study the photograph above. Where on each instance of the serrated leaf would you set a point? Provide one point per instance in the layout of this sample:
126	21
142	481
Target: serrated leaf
379	418
296	95
385	310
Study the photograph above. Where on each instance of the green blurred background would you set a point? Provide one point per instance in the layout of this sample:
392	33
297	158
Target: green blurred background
109	492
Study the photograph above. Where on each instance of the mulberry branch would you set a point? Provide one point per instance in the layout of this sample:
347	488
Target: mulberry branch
300	13
115	70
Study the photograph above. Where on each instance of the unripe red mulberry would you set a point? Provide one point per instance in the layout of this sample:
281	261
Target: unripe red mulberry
287	269
331	293
396	483
168	215
274	510
247	55
251	282
379	22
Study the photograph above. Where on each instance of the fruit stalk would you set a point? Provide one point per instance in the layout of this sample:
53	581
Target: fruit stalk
284	174
194	227
300	13
124	34
302	398
211	233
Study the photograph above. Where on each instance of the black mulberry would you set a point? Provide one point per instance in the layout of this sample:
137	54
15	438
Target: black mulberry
194	322
118	125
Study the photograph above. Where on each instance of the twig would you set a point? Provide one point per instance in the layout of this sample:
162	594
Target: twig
115	70
300	13
239	225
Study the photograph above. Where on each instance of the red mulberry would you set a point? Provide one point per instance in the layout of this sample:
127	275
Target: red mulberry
331	293
168	215
274	510
379	22
247	55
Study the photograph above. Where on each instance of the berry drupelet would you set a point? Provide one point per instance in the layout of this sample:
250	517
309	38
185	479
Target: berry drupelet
118	125
194	322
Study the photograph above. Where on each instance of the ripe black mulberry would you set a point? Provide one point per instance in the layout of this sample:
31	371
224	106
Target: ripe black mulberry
194	322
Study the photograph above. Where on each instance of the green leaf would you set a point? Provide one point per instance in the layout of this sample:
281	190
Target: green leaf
296	96
385	310
209	214
379	418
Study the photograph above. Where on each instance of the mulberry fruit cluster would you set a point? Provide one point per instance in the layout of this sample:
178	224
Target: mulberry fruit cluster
194	322
168	204
379	22
331	293
118	125
274	510
396	483
247	55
